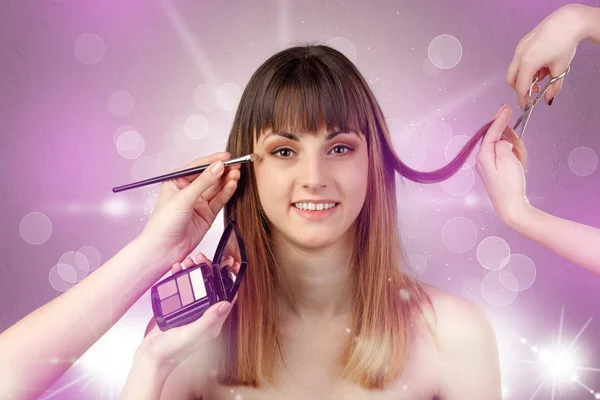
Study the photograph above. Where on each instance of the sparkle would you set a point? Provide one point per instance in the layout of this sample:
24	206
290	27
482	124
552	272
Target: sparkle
559	363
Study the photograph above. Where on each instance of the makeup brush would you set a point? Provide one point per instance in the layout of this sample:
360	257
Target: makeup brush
185	172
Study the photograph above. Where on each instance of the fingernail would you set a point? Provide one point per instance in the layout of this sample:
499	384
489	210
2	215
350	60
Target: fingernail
218	167
224	309
550	102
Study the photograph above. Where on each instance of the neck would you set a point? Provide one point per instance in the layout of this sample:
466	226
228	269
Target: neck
315	282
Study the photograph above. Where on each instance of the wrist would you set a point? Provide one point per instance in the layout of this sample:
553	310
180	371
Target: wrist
522	220
586	20
146	378
155	256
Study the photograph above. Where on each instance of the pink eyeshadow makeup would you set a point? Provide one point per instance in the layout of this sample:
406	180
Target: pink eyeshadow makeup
180	290
185	289
167	289
185	296
170	304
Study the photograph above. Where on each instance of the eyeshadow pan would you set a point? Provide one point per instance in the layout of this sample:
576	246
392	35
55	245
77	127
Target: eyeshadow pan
185	289
198	284
167	289
170	304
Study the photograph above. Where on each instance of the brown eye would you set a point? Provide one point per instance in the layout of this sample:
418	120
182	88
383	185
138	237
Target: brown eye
348	148
280	150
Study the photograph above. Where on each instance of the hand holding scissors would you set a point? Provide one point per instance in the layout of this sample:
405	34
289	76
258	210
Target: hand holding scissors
550	47
531	102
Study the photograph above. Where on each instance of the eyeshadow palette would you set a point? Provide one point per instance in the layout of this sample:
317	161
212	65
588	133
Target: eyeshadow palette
186	295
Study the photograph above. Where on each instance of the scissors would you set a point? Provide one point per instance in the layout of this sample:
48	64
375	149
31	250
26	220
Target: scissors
524	118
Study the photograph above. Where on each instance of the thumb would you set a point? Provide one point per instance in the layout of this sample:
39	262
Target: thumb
206	179
504	149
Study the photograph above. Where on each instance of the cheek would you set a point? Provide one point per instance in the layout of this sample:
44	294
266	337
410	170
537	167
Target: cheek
270	186
355	179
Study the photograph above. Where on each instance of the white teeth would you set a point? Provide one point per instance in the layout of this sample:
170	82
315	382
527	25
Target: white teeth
313	206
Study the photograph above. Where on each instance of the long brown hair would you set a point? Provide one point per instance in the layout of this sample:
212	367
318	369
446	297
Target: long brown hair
308	88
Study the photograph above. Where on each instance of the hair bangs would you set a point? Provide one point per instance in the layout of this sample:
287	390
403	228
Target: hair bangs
308	97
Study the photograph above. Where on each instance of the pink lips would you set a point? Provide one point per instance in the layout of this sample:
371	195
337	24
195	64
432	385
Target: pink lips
314	215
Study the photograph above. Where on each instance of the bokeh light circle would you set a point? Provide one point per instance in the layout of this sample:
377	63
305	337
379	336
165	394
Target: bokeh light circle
93	256
184	144
583	161
460	183
445	51
409	147
196	126
205	97
495	292
89	48
436	135
519	273
145	167
56	280
79	264
493	253
344	46
35	228
228	96
459	234
120	103
130	145
455	145
122	129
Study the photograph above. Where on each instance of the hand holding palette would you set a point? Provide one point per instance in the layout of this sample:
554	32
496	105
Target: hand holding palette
185	296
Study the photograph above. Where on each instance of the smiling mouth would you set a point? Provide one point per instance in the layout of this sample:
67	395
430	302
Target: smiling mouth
314	207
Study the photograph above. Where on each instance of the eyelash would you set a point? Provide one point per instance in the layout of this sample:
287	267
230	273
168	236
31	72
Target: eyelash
349	148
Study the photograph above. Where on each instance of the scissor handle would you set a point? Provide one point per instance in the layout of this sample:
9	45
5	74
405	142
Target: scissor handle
550	82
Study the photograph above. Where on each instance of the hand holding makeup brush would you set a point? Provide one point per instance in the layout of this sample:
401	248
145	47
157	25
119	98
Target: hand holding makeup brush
160	353
188	206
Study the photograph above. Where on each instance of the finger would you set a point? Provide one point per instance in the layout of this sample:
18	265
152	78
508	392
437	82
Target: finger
486	157
236	268
524	81
555	70
513	69
542	73
223	197
188	262
212	191
175	268
494	133
206	179
222	156
184	181
206	327
201	258
504	149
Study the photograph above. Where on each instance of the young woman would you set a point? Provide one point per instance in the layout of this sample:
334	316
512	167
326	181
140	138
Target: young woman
324	309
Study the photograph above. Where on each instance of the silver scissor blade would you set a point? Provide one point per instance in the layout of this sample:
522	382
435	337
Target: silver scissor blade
523	119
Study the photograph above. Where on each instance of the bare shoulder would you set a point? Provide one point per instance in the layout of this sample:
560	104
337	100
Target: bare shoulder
457	318
467	354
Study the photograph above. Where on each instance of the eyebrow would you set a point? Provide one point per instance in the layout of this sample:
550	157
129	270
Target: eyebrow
291	136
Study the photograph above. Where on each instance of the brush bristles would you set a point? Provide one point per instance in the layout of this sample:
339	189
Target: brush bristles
253	157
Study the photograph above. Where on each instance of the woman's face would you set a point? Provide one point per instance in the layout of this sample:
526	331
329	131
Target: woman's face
295	169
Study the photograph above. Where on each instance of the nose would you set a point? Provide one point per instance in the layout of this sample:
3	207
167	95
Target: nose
313	175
